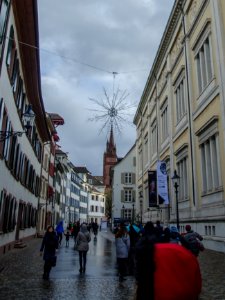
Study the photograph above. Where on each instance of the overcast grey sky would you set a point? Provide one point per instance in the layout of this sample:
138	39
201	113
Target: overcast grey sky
111	35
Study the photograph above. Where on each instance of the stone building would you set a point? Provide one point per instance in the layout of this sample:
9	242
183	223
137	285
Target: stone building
181	119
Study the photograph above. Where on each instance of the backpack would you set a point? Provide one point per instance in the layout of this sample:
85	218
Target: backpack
194	243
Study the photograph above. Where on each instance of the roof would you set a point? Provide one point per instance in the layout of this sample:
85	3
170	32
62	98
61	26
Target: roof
81	170
96	180
60	152
56	119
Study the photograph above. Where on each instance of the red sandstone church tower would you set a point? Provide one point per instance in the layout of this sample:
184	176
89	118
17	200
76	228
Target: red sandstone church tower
109	160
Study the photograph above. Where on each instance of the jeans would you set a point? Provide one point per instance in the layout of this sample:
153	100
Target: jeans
82	259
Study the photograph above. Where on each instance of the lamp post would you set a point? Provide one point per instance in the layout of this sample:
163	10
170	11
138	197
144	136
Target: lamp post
175	179
148	213
27	119
141	203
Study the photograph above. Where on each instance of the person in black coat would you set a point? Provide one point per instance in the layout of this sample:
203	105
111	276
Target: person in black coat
49	246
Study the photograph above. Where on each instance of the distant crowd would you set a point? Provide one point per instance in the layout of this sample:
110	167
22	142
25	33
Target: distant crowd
163	261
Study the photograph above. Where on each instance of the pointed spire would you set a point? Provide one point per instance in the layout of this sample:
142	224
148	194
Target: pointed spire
111	139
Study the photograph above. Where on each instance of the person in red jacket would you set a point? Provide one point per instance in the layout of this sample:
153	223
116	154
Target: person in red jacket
166	271
177	274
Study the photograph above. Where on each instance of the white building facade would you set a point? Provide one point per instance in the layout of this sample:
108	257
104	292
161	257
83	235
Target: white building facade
124	189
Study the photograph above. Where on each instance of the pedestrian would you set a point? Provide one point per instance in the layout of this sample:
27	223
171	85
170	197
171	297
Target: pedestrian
49	246
177	274
82	240
60	231
122	241
177	238
95	228
76	229
158	230
194	240
67	235
134	237
144	263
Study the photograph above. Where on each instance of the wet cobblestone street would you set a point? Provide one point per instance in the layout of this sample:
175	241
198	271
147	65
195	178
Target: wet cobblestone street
21	274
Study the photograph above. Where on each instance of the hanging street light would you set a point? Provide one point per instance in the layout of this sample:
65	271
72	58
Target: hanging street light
175	180
28	121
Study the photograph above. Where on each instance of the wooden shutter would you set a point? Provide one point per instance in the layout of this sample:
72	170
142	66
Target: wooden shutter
122	196
133	178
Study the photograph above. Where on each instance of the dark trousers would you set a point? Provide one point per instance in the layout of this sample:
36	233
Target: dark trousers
47	268
60	238
82	259
122	266
67	243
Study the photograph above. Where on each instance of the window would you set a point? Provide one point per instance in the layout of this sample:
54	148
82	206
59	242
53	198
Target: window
164	121
127	214
128	178
154	137
210	164
180	100
210	158
146	149
140	159
204	65
128	195
3	19
182	169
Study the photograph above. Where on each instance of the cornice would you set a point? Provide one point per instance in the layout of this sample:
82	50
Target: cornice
160	55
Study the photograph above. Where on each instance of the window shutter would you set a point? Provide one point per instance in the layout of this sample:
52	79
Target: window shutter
122	196
134	195
122	178
4	124
134	161
133	178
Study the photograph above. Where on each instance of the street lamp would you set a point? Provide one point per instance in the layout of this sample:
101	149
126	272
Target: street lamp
175	179
28	121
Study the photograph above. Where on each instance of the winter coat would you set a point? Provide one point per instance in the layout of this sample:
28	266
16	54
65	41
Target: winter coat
49	245
82	240
193	239
177	274
59	228
122	246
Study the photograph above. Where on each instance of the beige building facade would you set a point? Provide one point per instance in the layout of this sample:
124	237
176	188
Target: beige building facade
181	120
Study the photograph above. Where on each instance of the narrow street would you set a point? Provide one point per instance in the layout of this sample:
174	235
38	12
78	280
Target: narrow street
21	274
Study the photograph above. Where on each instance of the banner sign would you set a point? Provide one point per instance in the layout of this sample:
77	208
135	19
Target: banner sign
152	188
162	187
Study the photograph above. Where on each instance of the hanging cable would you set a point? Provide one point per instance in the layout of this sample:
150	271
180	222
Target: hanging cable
74	59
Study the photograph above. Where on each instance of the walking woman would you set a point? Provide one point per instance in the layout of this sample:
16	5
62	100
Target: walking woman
83	238
49	245
122	250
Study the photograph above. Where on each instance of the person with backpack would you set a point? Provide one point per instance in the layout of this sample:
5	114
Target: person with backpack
194	240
